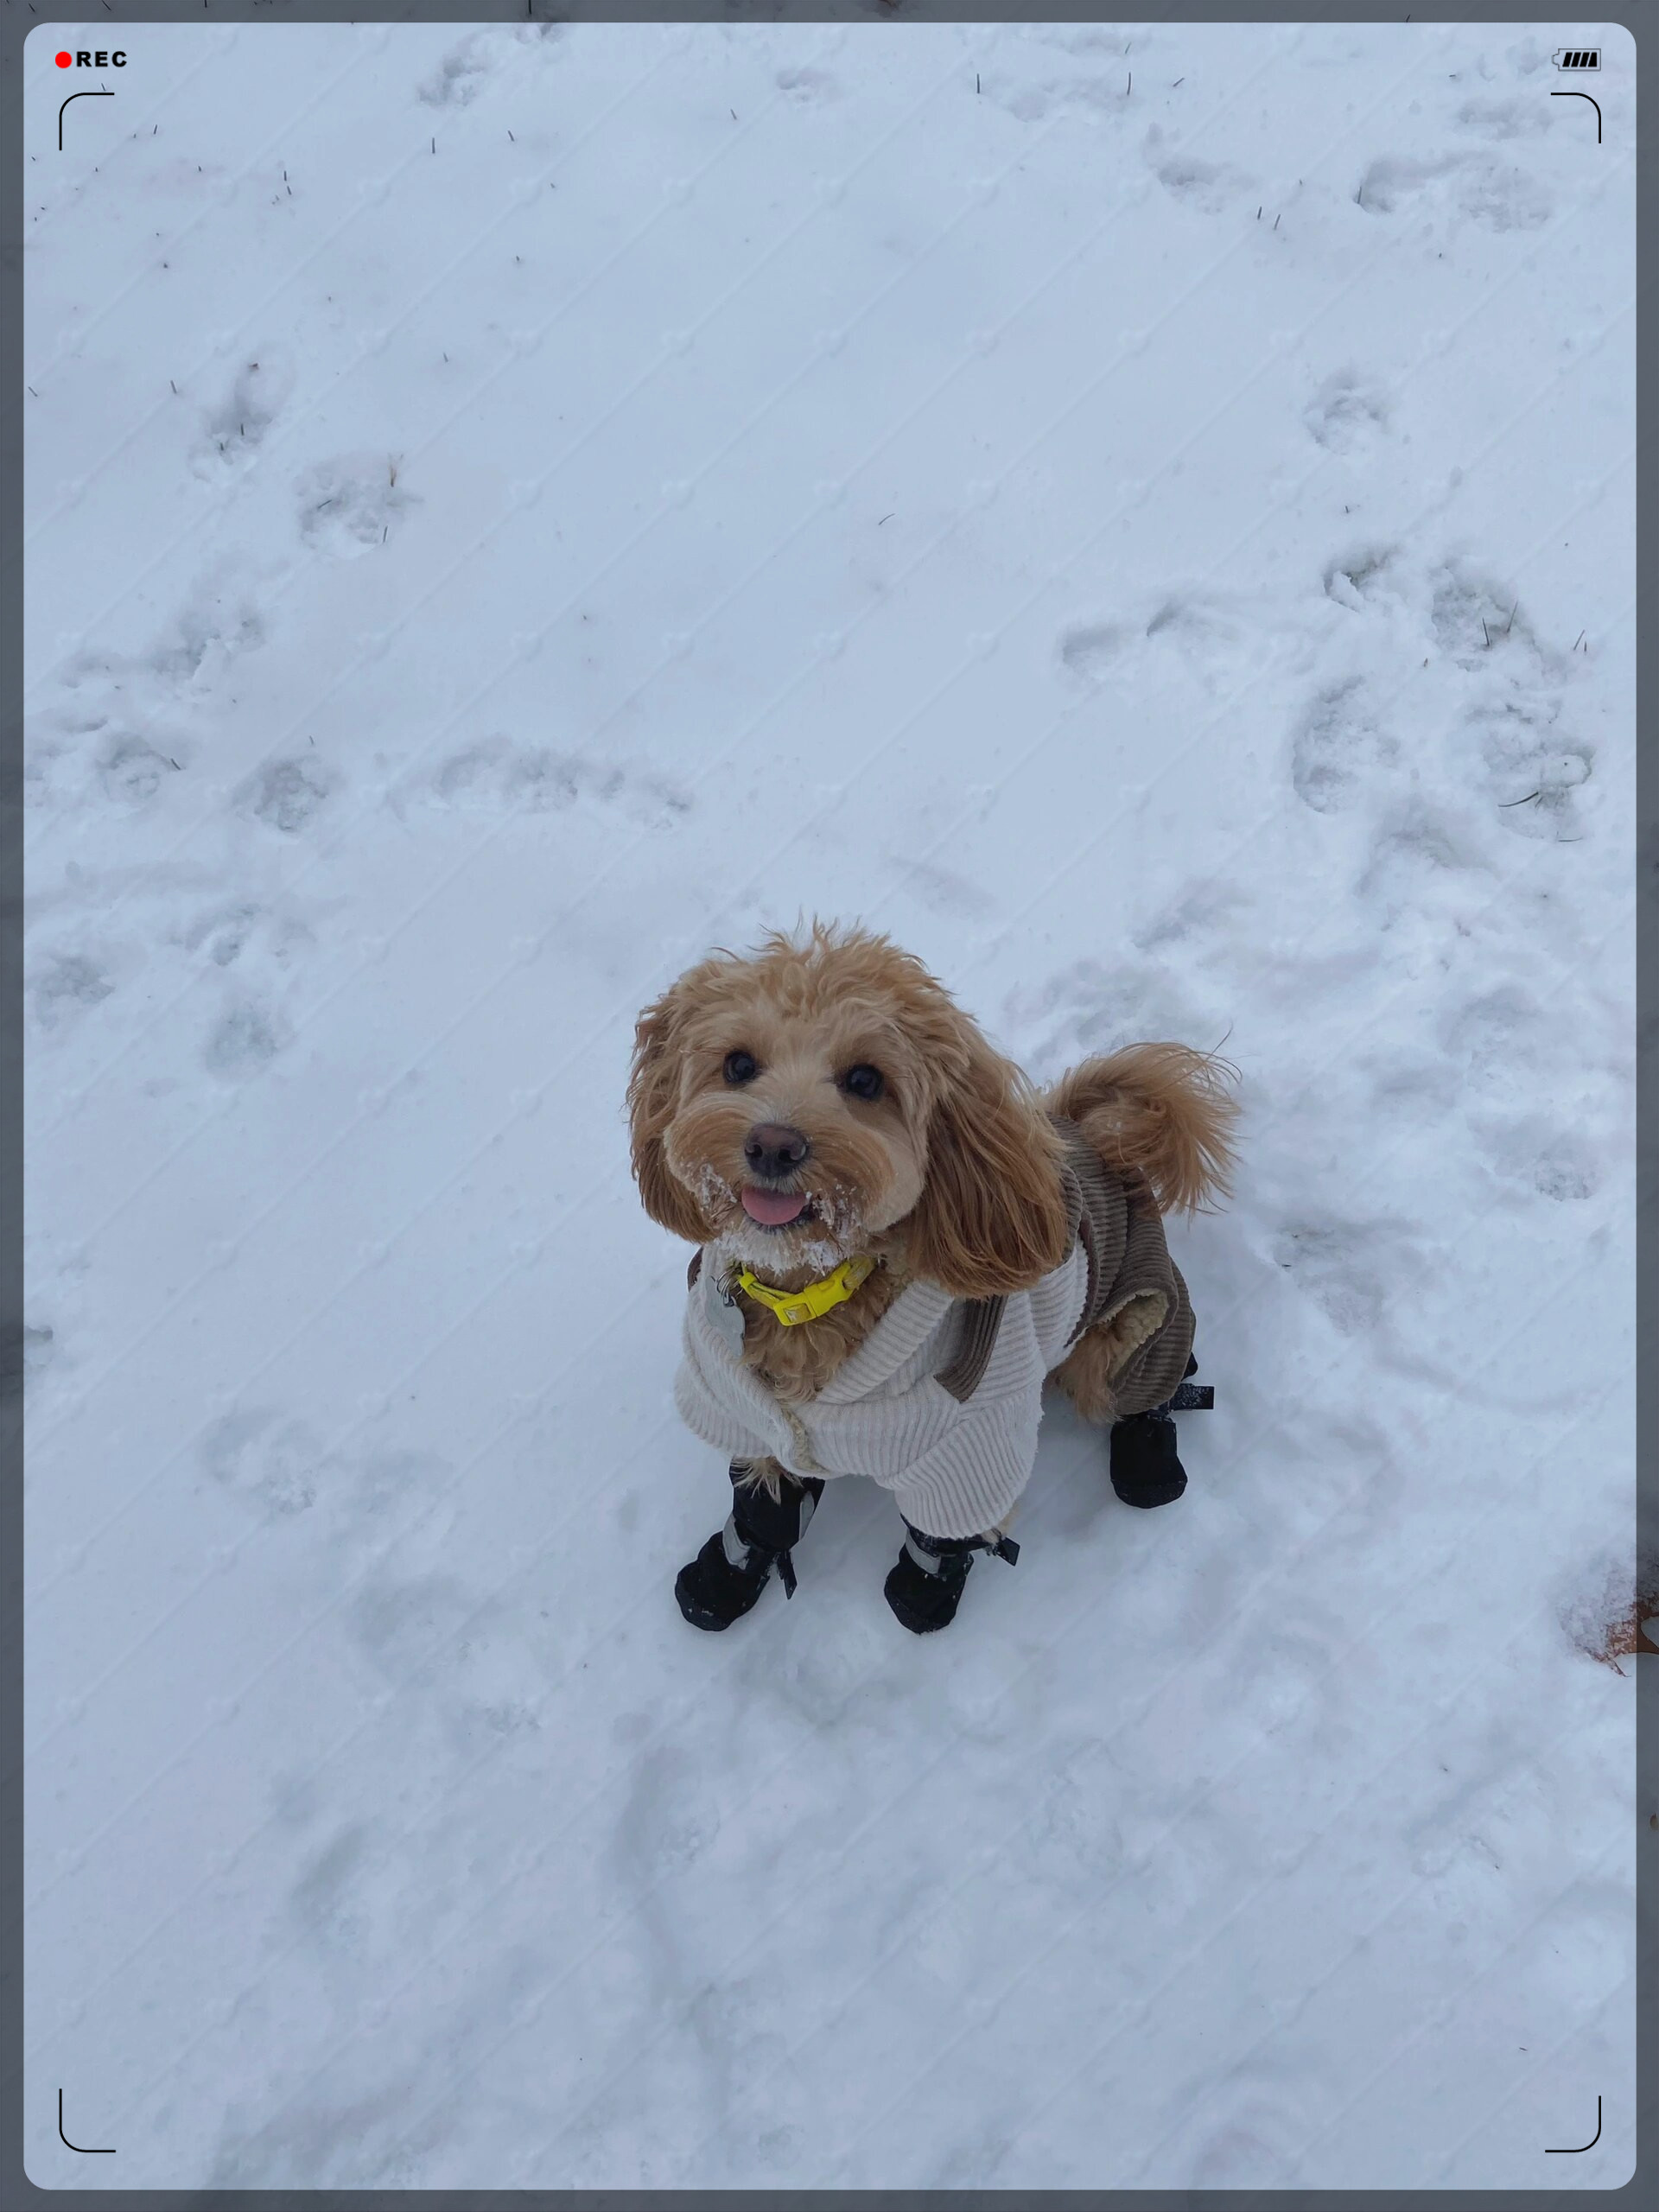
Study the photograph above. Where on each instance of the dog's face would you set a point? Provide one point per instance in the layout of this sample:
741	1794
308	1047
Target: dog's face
800	1102
801	1131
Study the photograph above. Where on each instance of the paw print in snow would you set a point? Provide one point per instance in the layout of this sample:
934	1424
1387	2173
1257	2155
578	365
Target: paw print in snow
239	425
1090	649
1503	118
272	1469
133	772
1535	770
208	626
534	780
1361	577
1494	193
244	1039
461	76
1210	186
66	985
1338	748
807	84
348	505
1347	412
1470	619
286	795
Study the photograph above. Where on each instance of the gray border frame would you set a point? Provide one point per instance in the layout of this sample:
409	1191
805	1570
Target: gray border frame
14	29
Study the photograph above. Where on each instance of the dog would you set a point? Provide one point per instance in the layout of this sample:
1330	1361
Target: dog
899	1241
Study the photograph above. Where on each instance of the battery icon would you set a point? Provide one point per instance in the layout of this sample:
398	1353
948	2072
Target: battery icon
1577	57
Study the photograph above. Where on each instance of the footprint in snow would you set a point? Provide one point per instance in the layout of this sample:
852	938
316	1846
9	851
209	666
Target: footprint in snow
1506	1053
1480	188
1090	649
534	779
1535	770
461	75
329	1902
1503	118
245	1039
132	771
1090	1007
1392	182
72	756
938	888
209	626
1480	625
1340	749
348	504
1537	1154
1072	95
287	795
225	933
234	431
466	70
126	738
1205	910
1361	579
1208	187
1524	759
1366	1278
1350	1269
807	86
1502	198
1348	412
274	1469
1418	861
1498	1038
1206	635
403	1625
66	985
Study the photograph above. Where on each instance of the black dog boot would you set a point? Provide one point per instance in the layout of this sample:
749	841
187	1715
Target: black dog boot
925	1587
734	1565
1145	1468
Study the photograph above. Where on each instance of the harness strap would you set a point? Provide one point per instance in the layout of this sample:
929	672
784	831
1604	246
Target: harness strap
739	1550
1000	1547
981	1318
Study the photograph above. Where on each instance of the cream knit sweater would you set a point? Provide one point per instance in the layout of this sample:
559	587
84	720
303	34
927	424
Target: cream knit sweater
954	1468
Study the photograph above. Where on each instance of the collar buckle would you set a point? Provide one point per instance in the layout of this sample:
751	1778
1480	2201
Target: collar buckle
814	1300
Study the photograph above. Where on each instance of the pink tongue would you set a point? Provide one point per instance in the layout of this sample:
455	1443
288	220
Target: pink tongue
773	1208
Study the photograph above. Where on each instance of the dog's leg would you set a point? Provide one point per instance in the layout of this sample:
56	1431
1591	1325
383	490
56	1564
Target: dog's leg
770	1509
925	1588
1086	1374
1145	1470
759	1474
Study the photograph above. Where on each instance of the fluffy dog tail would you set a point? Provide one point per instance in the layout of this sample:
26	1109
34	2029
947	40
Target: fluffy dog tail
1161	1111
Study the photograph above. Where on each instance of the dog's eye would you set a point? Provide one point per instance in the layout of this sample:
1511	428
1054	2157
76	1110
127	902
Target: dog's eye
864	1081
740	1067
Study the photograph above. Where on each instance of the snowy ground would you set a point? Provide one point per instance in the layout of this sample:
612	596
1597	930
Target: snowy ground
1146	516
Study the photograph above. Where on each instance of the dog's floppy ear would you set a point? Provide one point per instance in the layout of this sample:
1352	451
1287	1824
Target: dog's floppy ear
992	1217
654	1093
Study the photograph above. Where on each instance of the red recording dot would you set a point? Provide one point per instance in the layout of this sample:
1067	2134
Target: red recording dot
65	60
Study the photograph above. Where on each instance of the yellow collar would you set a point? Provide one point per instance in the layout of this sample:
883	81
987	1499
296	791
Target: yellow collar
793	1306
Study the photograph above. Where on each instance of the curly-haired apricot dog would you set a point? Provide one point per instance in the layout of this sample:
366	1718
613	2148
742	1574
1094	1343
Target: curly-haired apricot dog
899	1241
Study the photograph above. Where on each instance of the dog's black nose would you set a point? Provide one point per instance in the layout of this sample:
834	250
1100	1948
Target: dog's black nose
774	1149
